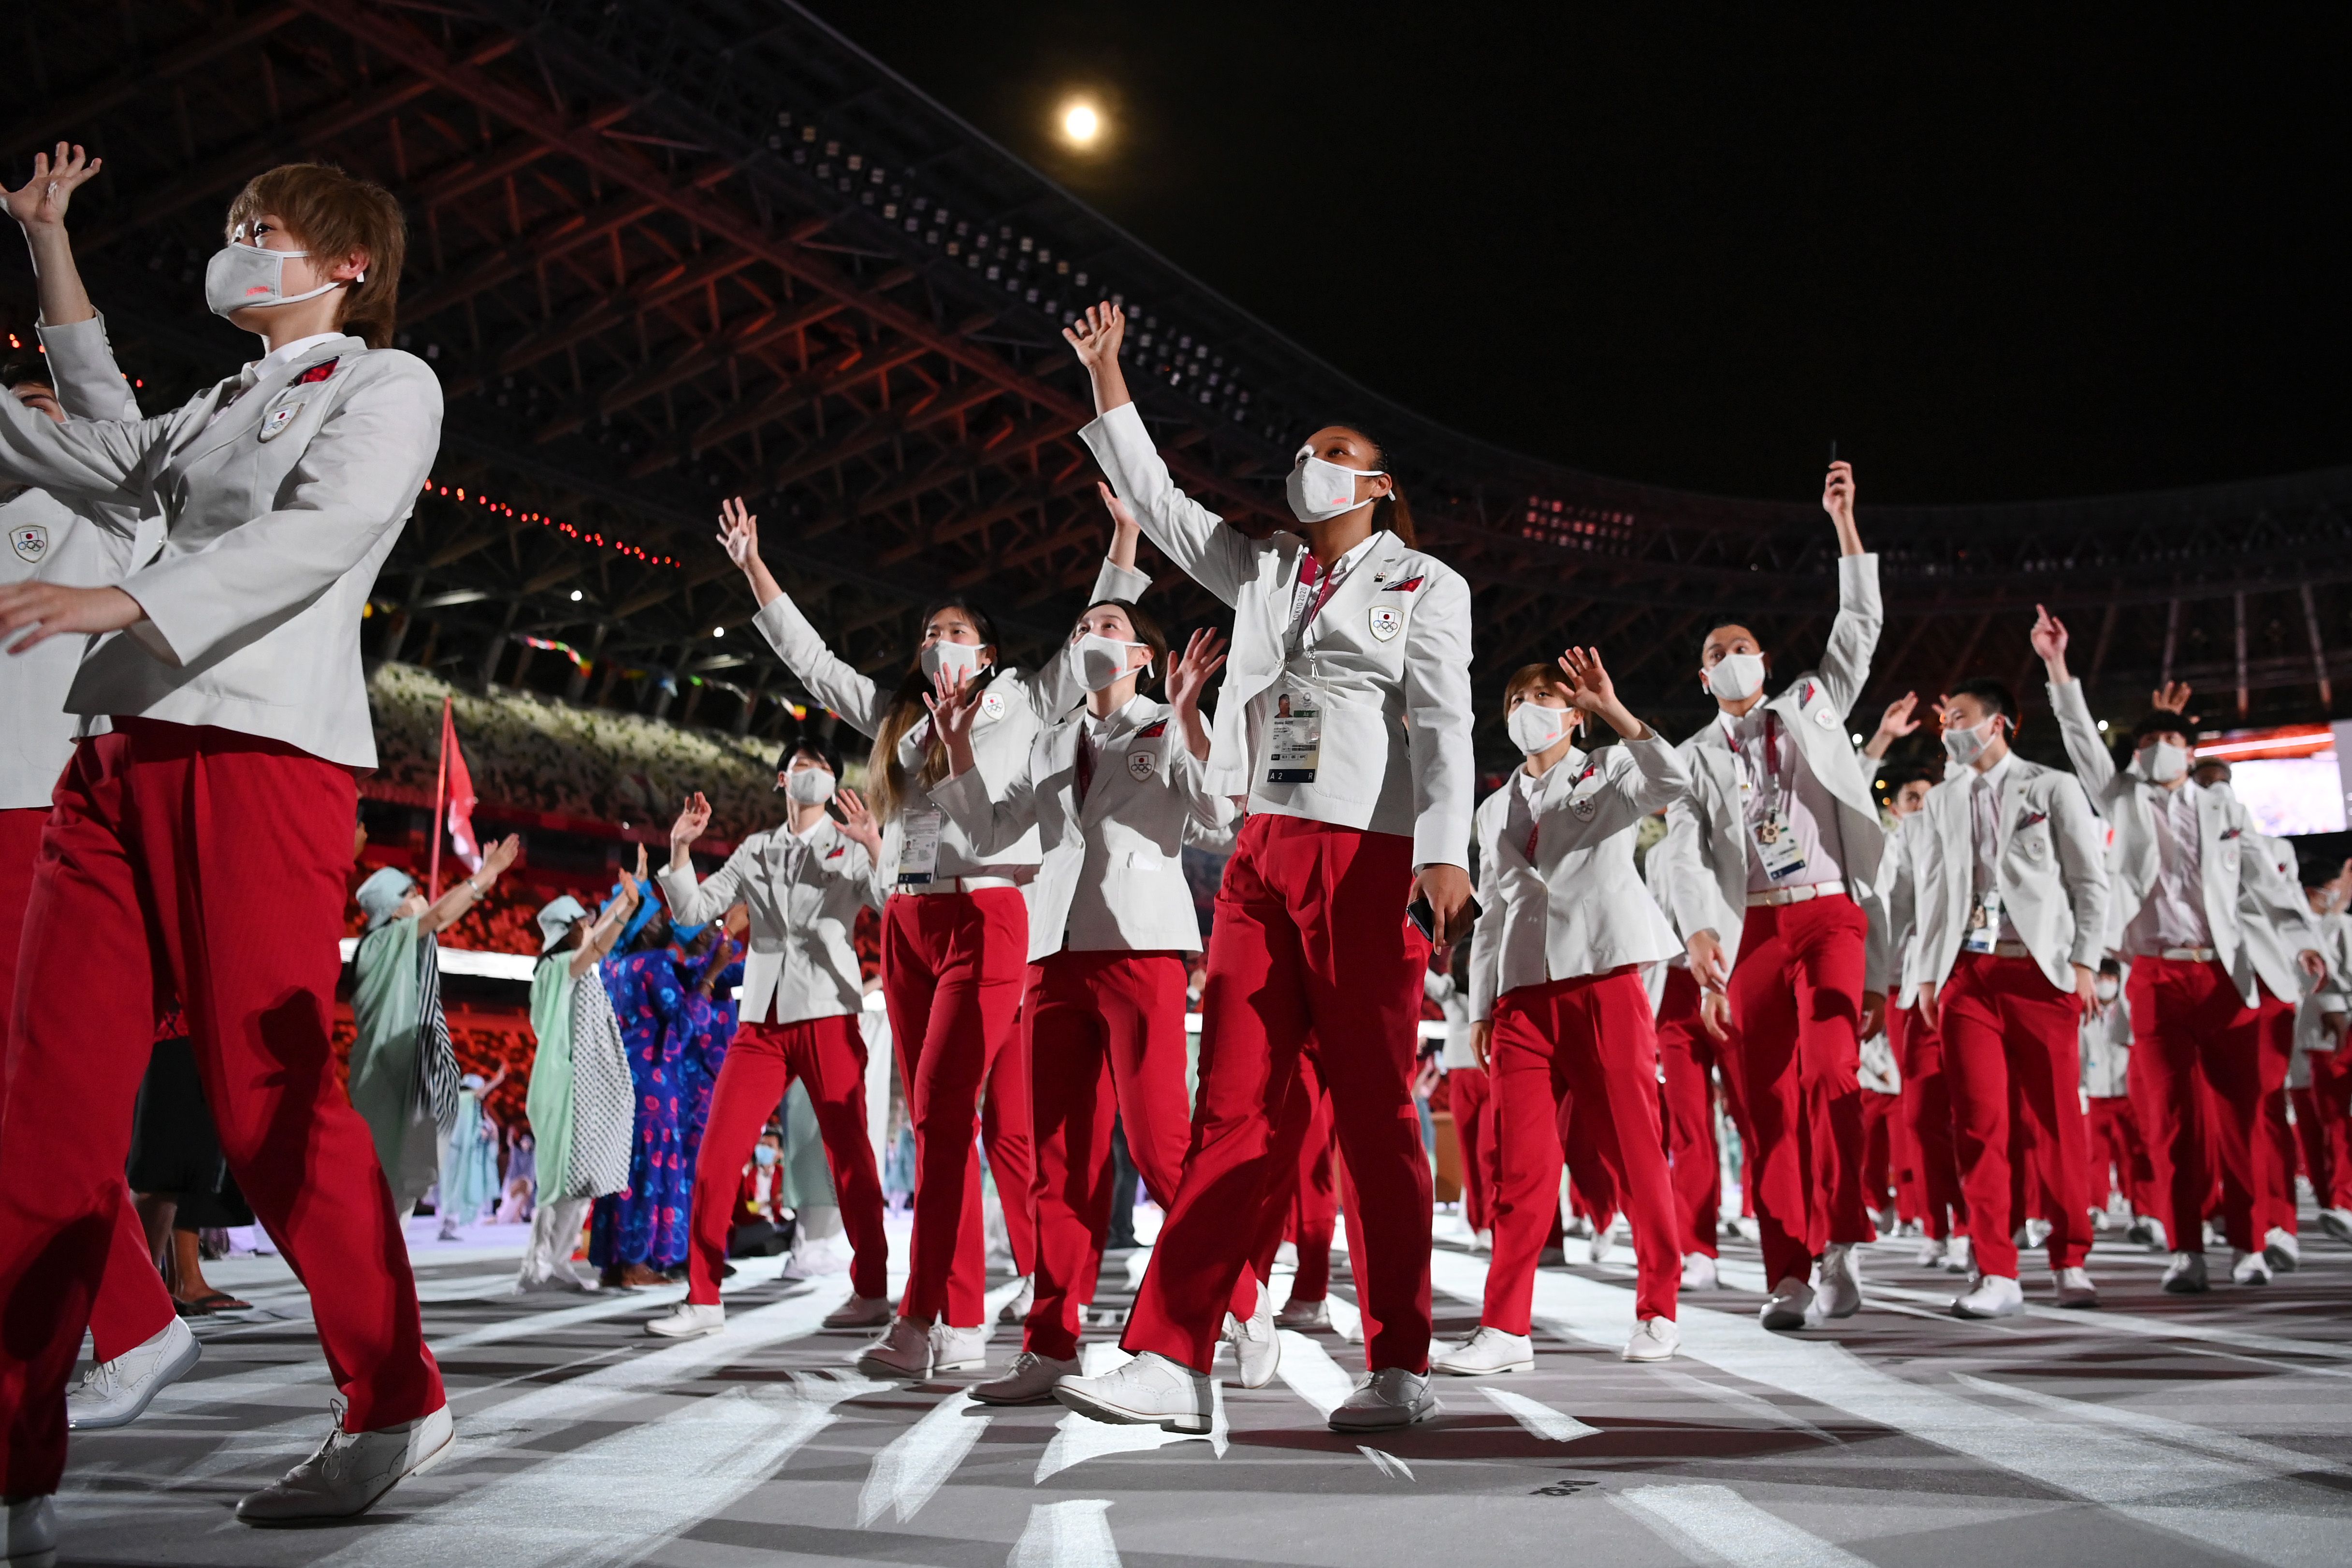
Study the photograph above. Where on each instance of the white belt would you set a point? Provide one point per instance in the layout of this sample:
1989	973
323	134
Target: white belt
2189	954
1795	895
957	885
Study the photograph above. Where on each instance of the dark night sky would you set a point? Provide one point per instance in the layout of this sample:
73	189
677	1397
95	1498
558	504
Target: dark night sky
1994	257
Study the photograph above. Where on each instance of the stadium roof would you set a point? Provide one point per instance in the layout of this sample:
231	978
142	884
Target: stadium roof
668	250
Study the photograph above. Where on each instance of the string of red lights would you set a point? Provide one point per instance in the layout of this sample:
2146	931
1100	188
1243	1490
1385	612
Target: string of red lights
584	536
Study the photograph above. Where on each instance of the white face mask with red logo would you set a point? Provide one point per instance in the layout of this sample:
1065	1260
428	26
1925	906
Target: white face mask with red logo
241	276
1319	491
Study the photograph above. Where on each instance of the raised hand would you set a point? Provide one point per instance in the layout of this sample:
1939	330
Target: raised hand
952	710
1125	530
1837	499
738	532
1189	672
41	201
1592	690
2173	696
1097	335
857	821
502	855
692	819
641	863
2049	636
1893	725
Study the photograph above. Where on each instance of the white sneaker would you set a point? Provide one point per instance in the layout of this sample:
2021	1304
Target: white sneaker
1286	1259
1603	1242
1028	1381
1388	1397
2185	1274
1149	1390
2282	1250
1015	1312
1655	1338
31	1539
1484	1240
114	1393
1257	1353
1699	1272
2033	1233
352	1470
2075	1290
1840	1281
902	1349
860	1312
1786	1307
1486	1351
1995	1296
1931	1253
816	1261
689	1321
2249	1269
1303	1316
959	1350
1959	1258
2337	1223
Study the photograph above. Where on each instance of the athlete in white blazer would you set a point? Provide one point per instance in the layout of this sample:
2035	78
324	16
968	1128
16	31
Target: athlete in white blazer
802	885
1345	723
226	673
2177	866
1772	859
2011	901
2321	1084
1557	1000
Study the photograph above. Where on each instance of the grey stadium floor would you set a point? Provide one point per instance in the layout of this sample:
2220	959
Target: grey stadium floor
2160	1430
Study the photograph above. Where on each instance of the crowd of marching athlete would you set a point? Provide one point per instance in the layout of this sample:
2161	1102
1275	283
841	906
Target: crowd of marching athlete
184	601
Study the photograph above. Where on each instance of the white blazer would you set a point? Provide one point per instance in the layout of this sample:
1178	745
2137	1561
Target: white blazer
1112	876
2053	877
278	516
1706	831
1011	709
1578	907
803	896
2125	798
1389	656
82	544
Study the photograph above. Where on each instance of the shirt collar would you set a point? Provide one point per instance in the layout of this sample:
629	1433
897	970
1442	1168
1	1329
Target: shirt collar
1992	776
1743	727
1311	572
285	353
1099	729
808	835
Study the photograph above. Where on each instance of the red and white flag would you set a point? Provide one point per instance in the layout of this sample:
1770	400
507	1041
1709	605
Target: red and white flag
460	817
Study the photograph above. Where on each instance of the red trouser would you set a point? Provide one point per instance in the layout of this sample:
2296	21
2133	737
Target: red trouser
1009	1145
1587	1040
951	972
1105	1035
1797	994
2188	1019
761	1063
2275	1143
1694	1061
1927	1117
2012	1045
1310	942
217	862
1306	1197
20	848
2323	1121
2118	1159
1469	1097
1882	1147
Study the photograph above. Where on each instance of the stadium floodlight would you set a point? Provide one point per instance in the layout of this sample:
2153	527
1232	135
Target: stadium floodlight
1081	123
577	595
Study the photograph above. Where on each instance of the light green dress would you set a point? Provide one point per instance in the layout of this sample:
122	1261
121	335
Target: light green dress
548	1101
386	1078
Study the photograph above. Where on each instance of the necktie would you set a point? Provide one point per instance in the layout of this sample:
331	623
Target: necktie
1085	765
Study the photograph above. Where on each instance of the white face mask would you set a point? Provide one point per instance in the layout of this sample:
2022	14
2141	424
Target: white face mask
809	786
1319	491
1965	746
1101	661
2164	762
2107	989
240	275
957	657
1738	677
1535	727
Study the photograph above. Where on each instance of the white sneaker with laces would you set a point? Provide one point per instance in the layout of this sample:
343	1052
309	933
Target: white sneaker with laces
31	1539
1699	1272
2282	1250
1840	1281
1995	1296
1931	1253
1388	1397
1961	1256
1257	1353
2075	1290
1015	1312
1028	1381
1486	1352
959	1350
2185	1274
689	1321
1149	1390
902	1349
352	1470
2337	1223
114	1393
2249	1269
1786	1307
1306	1317
1655	1338
860	1312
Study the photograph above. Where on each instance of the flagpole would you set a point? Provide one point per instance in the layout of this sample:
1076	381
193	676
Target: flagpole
440	786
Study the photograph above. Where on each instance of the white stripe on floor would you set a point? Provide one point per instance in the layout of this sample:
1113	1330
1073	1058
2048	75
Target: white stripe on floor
1074	1534
1718	1522
1389	1465
1739	1399
1551	1425
2270	1457
1312	1375
917	1462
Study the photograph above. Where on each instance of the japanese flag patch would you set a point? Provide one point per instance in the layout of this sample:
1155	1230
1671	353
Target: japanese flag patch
30	542
1386	623
991	704
277	419
1139	765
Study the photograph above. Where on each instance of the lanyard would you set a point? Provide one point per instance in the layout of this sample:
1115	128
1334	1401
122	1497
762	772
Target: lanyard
1535	828
1312	575
1772	750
